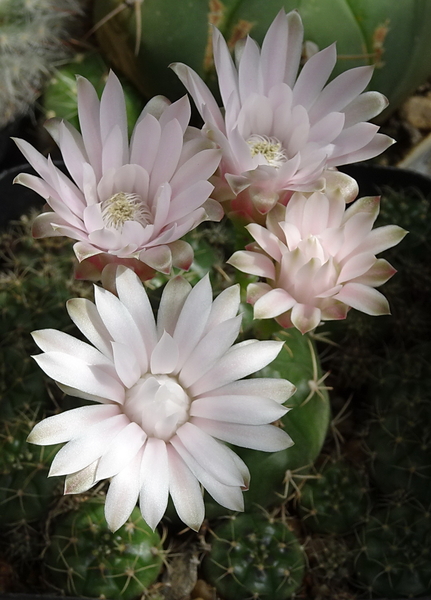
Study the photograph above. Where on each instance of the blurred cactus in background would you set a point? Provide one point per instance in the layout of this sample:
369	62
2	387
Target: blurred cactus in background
35	35
367	33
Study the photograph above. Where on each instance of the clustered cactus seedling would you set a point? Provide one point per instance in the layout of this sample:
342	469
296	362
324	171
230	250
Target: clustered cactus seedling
254	556
85	558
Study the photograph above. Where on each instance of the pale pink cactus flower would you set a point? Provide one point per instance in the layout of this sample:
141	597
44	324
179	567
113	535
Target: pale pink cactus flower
164	396
318	260
125	203
280	131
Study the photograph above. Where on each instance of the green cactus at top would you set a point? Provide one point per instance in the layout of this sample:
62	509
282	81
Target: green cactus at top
391	35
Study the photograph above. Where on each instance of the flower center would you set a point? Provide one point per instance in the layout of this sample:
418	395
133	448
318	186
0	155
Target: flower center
269	147
122	207
158	404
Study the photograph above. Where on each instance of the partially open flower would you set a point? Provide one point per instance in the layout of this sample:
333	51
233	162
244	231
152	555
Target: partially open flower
165	396
280	131
318	260
126	203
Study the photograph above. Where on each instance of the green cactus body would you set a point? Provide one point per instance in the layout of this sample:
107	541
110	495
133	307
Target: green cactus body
393	36
84	558
306	423
26	492
335	500
36	282
399	441
252	556
395	560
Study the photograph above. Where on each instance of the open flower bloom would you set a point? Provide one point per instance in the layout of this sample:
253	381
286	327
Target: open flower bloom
165	396
281	131
318	260
126	203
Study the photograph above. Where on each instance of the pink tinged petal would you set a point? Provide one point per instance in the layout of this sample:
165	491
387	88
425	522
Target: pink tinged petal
123	494
356	266
89	184
165	355
179	110
182	254
294	47
37	161
210	349
228	496
50	340
365	107
273	304
158	258
171	303
87	447
237	183
113	111
154	477
81	481
145	142
126	365
63	210
363	298
376	146
247	410
188	200
86	317
168	155
327	128
226	71
75	372
274	52
335	312
249	73
36	184
314	75
46	225
253	263
88	112
64	426
224	307
305	317
256	291
300	132
341	92
200	93
133	296
155	107
316	214
240	361
257	437
344	189
210	454
93	219
185	491
278	390
382	238
199	167
354	138
193	318
73	152
380	273
122	450
113	152
266	240
119	322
